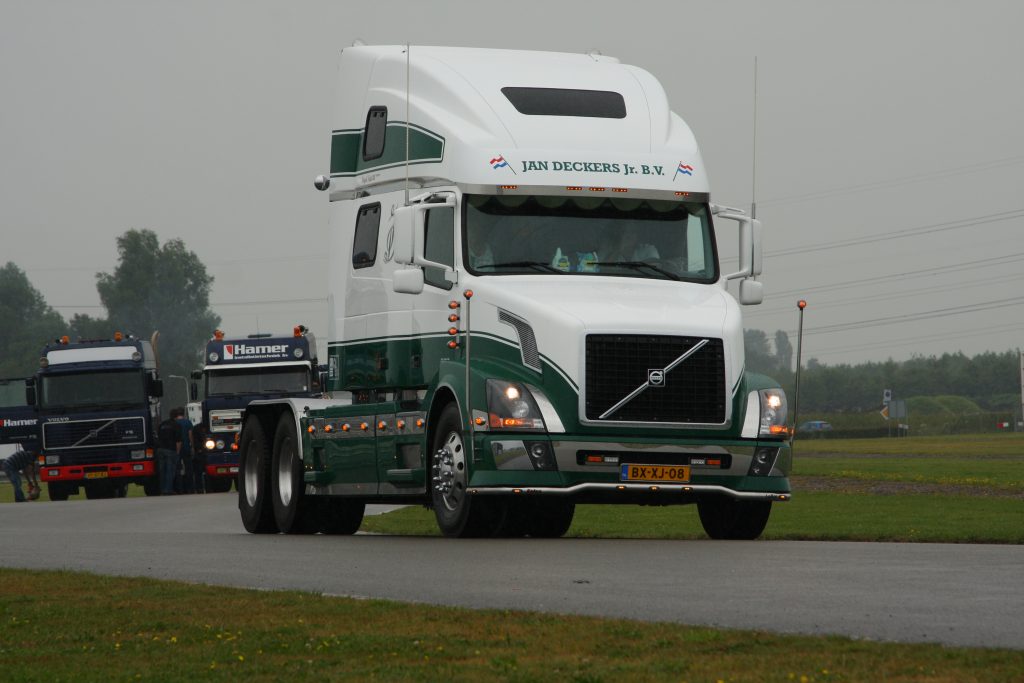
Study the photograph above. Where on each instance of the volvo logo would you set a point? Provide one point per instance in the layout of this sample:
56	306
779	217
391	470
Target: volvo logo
656	378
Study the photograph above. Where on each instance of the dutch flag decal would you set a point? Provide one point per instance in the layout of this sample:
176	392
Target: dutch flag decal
499	162
685	169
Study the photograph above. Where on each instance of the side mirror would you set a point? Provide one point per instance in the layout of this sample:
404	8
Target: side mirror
193	392
751	292
408	280
750	250
156	388
407	219
197	374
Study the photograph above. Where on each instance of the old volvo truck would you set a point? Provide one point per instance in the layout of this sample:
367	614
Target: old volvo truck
528	310
237	371
97	402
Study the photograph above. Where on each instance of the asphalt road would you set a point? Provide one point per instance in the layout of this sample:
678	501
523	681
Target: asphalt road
952	594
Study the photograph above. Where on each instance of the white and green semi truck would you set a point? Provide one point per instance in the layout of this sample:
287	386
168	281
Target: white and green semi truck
527	310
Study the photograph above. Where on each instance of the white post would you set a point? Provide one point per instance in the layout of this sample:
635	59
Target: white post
1021	387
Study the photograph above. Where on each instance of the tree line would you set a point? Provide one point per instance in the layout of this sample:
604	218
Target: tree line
990	379
154	287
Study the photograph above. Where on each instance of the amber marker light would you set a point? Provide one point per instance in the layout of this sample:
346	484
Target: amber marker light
468	294
329	428
453	344
419	423
453	331
234	446
401	424
118	336
345	427
801	304
597	189
682	194
454	317
382	425
65	339
364	426
619	189
218	335
453	304
479	421
508	187
311	429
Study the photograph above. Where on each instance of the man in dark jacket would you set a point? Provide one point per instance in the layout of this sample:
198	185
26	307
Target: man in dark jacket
22	463
168	443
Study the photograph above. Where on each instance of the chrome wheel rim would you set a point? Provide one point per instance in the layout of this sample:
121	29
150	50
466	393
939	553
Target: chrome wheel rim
450	472
284	473
252	481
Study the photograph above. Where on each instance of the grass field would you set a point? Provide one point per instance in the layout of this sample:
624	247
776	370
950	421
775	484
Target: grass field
63	626
957	445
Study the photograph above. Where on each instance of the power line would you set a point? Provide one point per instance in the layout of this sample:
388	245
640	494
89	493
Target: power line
905	341
896	182
914	317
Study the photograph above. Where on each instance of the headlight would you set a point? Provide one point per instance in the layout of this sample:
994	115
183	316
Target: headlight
766	414
773	413
210	444
511	406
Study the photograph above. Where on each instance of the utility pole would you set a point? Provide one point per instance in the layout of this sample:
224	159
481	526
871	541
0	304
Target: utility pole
1021	388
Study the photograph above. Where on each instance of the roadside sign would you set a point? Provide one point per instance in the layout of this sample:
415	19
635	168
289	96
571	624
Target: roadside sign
885	412
886	396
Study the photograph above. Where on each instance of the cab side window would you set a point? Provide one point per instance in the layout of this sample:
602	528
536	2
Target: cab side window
439	244
373	135
364	247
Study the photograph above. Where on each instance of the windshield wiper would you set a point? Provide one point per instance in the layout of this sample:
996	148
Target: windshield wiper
639	264
539	265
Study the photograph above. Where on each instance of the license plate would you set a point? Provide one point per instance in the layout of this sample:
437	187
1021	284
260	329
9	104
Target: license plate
96	475
659	473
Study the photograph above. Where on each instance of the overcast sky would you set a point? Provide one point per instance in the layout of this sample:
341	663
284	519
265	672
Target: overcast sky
890	154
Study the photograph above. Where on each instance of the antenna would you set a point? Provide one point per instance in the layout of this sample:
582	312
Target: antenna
753	165
407	61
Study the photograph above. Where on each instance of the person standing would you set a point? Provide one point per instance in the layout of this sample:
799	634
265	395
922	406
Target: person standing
168	442
22	463
186	450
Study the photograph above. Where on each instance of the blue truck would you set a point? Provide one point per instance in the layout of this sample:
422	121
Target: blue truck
18	422
240	370
97	403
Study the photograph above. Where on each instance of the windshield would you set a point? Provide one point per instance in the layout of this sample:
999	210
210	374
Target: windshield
92	389
287	380
656	239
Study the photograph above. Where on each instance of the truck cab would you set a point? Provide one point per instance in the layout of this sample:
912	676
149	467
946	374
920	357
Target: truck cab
97	403
237	371
528	309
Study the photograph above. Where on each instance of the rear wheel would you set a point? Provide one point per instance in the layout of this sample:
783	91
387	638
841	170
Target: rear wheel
726	518
458	514
58	490
340	515
294	511
254	480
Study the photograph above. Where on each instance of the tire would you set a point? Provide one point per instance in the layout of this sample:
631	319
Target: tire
58	491
294	511
725	518
341	516
120	490
218	484
458	514
549	518
254	480
151	487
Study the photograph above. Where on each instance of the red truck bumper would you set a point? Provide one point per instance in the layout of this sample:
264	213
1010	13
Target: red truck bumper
134	468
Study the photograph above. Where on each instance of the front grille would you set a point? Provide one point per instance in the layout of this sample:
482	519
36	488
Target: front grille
693	392
121	431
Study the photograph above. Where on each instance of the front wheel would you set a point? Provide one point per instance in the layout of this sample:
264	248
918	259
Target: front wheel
294	511
58	490
726	518
254	479
458	514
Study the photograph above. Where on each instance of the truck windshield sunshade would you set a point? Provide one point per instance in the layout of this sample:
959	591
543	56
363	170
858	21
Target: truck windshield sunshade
602	104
